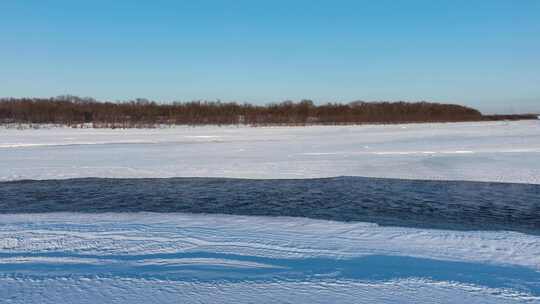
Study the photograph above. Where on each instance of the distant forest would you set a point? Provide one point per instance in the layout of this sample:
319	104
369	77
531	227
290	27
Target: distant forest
75	111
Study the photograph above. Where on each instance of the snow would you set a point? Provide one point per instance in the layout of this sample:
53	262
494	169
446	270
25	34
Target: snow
161	258
133	291
480	151
271	237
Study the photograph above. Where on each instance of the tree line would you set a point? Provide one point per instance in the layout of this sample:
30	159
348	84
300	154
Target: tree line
74	111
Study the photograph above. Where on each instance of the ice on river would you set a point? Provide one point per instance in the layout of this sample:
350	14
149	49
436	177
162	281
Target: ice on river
484	151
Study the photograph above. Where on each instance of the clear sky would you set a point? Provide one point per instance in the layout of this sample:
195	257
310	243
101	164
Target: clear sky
480	53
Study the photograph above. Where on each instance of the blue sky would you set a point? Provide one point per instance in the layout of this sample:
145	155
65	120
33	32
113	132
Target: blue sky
480	53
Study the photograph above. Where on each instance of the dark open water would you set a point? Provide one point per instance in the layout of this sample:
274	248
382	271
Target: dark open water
433	204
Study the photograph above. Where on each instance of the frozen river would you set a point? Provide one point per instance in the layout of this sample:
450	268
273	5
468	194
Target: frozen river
488	151
433	213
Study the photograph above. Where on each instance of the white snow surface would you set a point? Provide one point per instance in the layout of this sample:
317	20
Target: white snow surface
480	151
110	234
134	291
94	240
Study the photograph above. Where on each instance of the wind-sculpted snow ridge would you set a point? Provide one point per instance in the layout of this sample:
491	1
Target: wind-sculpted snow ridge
483	151
130	257
413	203
147	291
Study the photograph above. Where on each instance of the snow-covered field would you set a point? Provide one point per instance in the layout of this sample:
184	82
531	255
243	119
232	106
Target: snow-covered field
487	151
202	258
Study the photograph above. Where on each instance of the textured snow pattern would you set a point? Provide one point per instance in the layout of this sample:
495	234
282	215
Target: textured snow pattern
172	256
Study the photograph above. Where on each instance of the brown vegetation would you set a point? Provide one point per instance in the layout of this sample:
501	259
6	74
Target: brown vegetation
511	117
73	111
